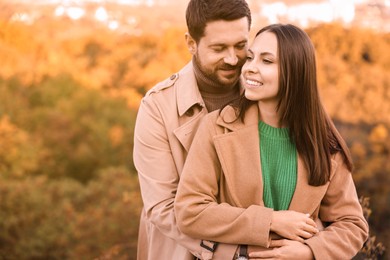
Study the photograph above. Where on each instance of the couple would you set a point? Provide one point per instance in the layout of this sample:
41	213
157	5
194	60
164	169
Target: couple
261	165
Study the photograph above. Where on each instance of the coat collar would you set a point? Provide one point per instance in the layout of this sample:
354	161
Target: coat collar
187	94
240	153
228	117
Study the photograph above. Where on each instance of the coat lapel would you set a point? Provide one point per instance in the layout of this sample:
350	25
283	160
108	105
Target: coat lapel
239	154
190	106
186	131
306	198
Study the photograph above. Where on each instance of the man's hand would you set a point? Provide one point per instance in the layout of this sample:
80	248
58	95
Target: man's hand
284	249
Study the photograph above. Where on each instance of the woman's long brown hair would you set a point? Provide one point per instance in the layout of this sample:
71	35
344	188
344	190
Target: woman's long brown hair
300	107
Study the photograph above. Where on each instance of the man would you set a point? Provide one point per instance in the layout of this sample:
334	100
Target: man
169	114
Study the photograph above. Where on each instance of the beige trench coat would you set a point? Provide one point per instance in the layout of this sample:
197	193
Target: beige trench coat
167	120
220	192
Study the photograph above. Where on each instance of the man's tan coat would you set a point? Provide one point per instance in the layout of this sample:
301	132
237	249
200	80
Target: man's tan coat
167	120
220	192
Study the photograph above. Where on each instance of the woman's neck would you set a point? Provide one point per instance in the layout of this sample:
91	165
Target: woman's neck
269	115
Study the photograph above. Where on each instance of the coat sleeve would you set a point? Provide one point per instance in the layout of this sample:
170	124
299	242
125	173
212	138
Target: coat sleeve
199	211
158	178
340	210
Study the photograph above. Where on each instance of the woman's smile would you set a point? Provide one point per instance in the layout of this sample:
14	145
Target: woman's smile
250	83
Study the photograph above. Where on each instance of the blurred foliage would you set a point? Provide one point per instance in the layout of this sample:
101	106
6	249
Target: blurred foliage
63	219
371	249
68	100
370	148
70	130
353	73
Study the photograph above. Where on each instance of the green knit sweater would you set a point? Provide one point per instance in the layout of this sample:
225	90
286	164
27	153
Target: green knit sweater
279	166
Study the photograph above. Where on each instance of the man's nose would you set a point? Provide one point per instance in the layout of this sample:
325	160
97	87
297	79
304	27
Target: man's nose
231	58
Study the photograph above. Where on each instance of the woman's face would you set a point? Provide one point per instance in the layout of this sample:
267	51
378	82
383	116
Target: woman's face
260	73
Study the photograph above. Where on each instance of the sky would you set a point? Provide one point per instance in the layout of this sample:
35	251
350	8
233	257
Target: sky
323	11
302	12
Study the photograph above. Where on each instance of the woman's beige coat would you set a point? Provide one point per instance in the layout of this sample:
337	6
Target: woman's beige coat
220	193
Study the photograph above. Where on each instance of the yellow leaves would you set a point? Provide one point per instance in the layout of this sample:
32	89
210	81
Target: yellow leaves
95	78
358	151
352	73
15	157
154	72
127	197
133	98
17	35
379	134
10	138
378	138
95	58
63	219
116	135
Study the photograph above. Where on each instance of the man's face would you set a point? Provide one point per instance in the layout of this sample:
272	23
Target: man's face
221	52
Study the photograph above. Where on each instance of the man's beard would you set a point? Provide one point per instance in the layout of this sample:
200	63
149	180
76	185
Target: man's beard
212	74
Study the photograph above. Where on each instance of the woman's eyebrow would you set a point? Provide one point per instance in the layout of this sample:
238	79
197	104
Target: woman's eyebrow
267	53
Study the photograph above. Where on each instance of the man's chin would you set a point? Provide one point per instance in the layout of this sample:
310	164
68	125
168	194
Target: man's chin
228	81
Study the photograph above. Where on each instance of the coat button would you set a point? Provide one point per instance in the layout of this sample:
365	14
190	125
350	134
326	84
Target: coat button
173	77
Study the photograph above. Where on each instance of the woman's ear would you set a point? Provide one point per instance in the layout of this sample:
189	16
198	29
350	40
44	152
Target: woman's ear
191	43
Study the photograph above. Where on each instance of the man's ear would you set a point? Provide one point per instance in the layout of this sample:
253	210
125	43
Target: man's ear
191	43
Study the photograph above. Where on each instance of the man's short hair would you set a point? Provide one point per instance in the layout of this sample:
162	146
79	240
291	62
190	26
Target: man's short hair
201	12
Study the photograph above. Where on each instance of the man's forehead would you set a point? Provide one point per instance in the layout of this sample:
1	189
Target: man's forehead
226	32
225	25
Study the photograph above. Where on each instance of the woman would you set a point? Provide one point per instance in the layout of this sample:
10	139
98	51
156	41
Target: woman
264	172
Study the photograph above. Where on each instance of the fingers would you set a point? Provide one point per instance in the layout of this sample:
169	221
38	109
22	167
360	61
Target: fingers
306	232
277	243
310	229
298	238
310	222
305	235
268	254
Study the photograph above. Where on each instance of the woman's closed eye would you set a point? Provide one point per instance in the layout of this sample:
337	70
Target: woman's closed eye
249	58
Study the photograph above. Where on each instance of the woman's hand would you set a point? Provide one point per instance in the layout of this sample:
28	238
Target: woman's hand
284	249
293	225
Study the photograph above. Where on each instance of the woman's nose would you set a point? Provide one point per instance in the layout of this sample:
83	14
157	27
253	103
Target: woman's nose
250	67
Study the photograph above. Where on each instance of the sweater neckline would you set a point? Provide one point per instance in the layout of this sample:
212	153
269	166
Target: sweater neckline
274	132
